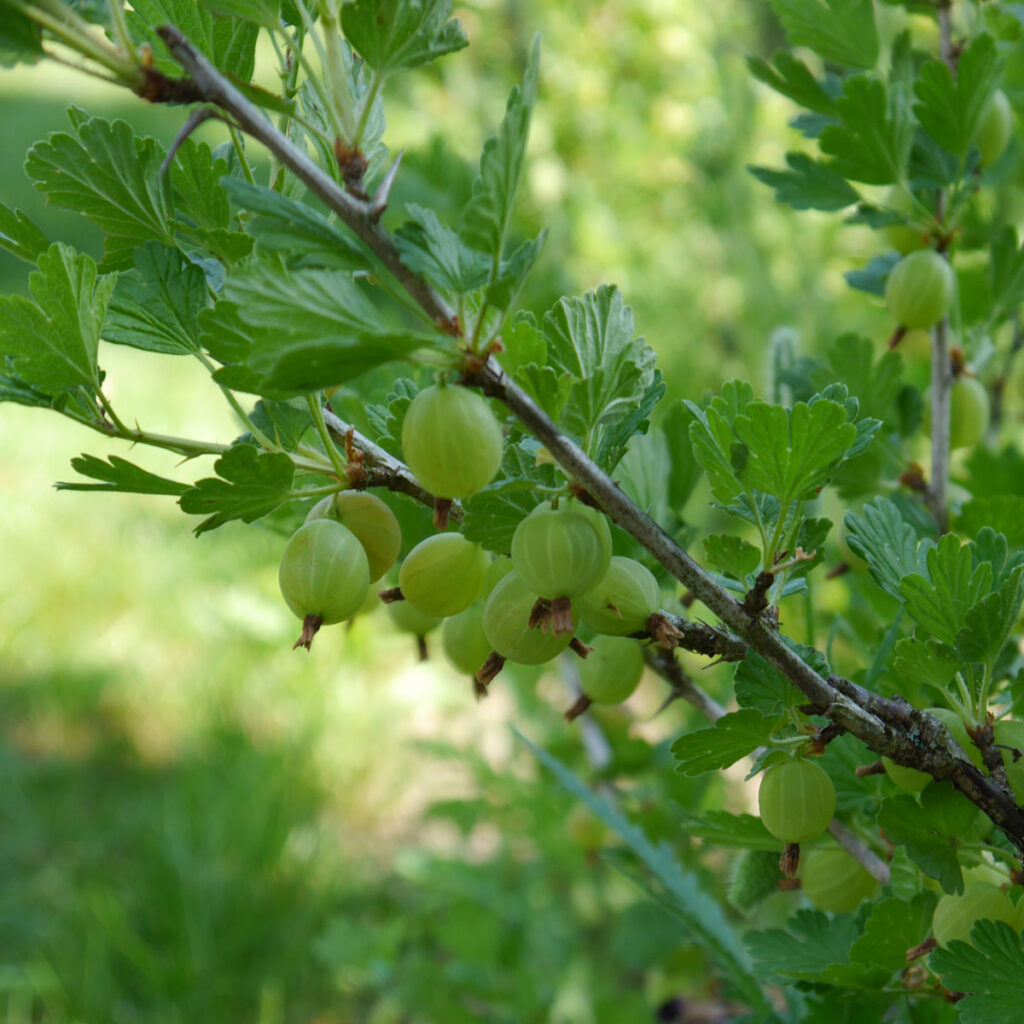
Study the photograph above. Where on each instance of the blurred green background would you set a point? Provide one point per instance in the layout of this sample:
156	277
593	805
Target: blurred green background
199	824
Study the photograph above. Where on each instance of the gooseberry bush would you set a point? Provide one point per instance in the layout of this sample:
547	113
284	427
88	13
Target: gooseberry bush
413	432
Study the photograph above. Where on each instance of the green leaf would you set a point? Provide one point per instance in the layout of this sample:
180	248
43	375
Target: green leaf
895	925
989	970
940	600
714	443
793	452
591	339
874	382
872	278
394	34
283	422
513	272
841	31
888	543
228	42
492	515
732	737
815	948
313	328
761	686
249	484
1006	266
20	36
486	216
791	77
950	109
731	555
808	184
906	823
53	341
615	440
304	235
872	143
107	174
926	662
679	889
989	624
720	828
685	471
435	251
20	237
156	306
1004	513
264	12
120	475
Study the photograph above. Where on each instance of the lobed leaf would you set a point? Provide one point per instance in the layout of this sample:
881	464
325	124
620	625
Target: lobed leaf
732	737
119	475
391	35
841	31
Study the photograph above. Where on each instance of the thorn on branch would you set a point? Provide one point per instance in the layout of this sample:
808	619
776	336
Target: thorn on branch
875	768
379	202
195	119
823	737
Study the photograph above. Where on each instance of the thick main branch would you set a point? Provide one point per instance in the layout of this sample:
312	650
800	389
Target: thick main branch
907	736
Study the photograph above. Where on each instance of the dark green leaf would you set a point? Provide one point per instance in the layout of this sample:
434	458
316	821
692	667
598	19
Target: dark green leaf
20	36
20	237
107	174
808	184
940	600
733	736
303	234
761	686
791	77
119	475
791	453
711	435
720	828
615	440
872	143
486	216
1007	269
435	251
888	543
949	109
53	341
872	278
906	823
989	624
264	12
249	484
894	926
731	555
926	663
156	306
989	969
842	31
394	34
283	422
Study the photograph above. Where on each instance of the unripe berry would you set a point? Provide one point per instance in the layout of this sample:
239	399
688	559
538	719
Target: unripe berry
995	126
955	916
465	644
796	800
626	597
612	670
373	523
833	881
920	289
443	574
451	441
507	627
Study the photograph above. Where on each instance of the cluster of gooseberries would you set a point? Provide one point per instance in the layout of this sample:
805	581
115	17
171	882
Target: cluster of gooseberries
527	609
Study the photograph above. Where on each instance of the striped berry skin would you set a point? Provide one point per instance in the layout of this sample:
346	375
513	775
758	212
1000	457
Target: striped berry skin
373	523
955	916
920	289
627	596
451	441
443	574
324	572
507	627
797	801
834	882
562	552
611	672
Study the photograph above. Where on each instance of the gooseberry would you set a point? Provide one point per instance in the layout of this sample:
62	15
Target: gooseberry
1009	733
626	597
920	289
324	575
443	574
612	670
995	126
373	523
955	916
833	881
969	412
465	644
409	619
796	800
451	441
506	623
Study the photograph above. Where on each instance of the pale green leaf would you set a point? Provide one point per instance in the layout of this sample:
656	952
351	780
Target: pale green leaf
119	475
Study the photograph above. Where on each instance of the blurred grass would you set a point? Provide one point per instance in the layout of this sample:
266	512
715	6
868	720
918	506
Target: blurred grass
198	823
